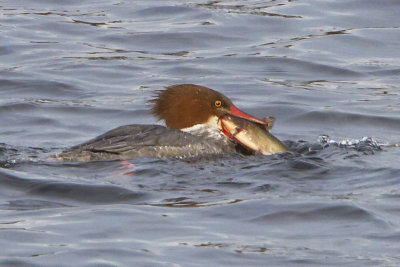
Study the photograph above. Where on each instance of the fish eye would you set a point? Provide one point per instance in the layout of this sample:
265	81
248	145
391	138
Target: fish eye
218	103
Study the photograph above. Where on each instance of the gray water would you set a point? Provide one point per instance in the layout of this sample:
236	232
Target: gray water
327	70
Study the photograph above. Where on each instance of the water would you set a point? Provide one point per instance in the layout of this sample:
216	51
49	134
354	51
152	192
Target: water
327	70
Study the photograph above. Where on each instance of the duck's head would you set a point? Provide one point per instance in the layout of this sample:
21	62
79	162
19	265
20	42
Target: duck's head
186	105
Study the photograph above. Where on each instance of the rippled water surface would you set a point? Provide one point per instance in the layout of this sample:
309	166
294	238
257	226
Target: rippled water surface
327	70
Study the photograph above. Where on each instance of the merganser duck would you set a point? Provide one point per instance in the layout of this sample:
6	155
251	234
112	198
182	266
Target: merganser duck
191	114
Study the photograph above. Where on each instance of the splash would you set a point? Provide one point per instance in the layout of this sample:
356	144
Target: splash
364	143
11	155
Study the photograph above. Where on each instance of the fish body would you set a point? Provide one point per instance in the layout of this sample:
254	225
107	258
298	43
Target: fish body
251	135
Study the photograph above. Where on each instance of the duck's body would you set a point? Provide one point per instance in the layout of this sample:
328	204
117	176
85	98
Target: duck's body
146	141
191	114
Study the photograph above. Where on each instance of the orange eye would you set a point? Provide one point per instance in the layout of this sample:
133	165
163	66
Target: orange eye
218	103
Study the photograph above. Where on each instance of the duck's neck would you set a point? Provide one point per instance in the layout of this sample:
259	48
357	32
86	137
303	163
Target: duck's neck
207	132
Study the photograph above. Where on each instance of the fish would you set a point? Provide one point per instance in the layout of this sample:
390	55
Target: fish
252	135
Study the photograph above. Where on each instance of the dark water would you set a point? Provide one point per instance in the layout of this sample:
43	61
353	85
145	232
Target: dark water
71	70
